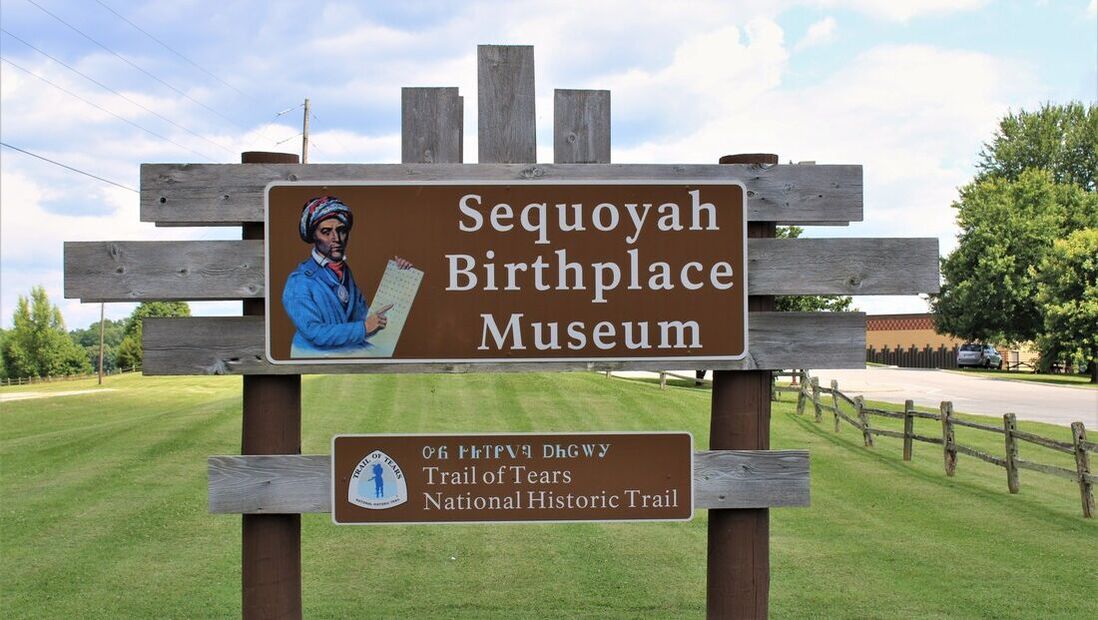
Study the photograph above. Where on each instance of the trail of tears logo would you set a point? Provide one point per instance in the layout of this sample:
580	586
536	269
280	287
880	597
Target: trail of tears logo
377	483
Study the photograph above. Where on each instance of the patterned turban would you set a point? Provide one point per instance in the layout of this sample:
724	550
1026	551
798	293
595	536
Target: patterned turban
321	208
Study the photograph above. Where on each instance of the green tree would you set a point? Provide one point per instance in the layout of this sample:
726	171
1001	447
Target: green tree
990	292
130	352
1062	139
808	303
37	344
1067	291
88	339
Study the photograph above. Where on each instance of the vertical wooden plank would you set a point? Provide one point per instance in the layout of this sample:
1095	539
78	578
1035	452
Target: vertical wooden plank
581	126
1082	467
271	544
738	551
506	132
949	441
835	402
863	417
432	123
909	428
1010	424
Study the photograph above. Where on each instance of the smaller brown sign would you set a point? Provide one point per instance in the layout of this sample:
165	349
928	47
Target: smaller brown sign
512	477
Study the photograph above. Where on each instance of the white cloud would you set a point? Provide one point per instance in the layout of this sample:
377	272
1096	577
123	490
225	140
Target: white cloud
687	86
904	10
818	33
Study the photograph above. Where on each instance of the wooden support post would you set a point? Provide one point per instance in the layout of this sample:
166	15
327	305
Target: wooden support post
271	552
1082	467
909	428
1010	424
835	402
949	441
738	560
863	417
815	387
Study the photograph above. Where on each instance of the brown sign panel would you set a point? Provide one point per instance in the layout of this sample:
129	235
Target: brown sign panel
505	272
512	477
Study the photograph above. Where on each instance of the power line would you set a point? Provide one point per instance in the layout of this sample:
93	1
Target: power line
333	136
104	86
76	170
96	105
173	50
136	66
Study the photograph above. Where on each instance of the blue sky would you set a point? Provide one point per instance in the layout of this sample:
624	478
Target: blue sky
909	89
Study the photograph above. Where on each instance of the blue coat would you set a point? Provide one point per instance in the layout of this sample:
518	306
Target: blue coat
325	325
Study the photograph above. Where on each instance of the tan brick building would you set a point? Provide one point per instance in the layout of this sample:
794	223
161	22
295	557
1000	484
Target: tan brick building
905	330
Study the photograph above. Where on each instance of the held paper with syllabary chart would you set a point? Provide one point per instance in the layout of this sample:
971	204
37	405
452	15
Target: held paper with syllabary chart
398	287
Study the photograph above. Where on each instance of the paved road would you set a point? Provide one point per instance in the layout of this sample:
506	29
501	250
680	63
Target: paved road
971	394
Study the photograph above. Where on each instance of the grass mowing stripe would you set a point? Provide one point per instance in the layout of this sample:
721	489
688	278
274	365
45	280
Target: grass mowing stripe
883	538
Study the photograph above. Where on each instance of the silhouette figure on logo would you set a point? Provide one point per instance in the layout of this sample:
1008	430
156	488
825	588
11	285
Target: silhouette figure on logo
379	482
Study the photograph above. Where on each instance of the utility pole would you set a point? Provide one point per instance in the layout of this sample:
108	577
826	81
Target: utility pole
305	135
102	309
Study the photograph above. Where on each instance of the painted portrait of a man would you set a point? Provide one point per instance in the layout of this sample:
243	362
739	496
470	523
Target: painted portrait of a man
330	315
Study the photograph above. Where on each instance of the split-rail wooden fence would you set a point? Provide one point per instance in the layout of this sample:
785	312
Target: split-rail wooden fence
860	416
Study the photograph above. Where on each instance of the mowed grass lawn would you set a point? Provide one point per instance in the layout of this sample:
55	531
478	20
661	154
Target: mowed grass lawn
104	514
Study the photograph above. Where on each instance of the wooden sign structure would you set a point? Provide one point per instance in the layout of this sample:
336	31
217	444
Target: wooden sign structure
271	483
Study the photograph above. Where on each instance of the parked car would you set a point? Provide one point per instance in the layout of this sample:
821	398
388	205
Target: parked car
978	356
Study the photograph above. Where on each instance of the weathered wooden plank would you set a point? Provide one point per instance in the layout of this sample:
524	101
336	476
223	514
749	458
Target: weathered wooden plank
581	126
431	125
235	345
505	104
1047	469
282	483
977	425
751	478
984	456
225	270
924	438
163	270
231	194
878	266
1052	444
302	483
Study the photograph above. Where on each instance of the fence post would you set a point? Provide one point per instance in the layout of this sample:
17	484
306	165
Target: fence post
909	428
835	402
802	396
1082	466
949	442
863	417
663	380
816	398
1010	424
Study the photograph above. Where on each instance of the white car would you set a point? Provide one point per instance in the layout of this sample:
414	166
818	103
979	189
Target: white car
972	355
